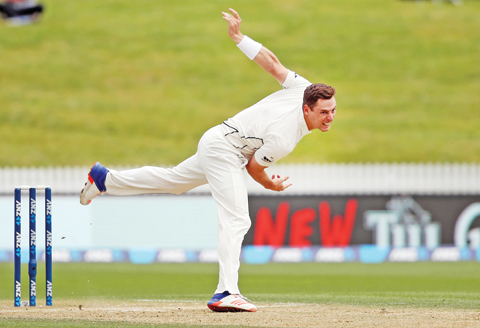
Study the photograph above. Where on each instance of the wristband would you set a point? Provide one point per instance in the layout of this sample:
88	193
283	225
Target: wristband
249	47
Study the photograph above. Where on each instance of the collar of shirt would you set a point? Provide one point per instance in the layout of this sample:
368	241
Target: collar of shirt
302	124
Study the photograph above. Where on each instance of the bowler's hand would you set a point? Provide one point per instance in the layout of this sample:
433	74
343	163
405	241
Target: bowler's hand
257	172
279	183
233	25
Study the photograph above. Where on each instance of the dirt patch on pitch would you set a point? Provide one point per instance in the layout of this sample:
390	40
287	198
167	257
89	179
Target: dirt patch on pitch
268	315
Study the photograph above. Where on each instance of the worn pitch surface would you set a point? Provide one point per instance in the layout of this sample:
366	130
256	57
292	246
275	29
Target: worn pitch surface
269	315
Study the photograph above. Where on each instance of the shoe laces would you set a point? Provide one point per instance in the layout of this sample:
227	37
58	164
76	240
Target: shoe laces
243	297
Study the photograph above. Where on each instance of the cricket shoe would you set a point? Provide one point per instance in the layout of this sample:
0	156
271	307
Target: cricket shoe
226	302
95	184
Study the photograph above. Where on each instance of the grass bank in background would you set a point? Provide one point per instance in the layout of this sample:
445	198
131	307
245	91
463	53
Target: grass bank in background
138	82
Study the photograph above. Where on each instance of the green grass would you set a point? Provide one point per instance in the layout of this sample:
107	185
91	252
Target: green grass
138	82
427	284
391	285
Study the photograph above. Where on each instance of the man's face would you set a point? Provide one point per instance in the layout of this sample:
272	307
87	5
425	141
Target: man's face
321	115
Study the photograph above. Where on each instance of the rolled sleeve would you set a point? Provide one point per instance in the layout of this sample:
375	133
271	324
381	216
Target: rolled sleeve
295	80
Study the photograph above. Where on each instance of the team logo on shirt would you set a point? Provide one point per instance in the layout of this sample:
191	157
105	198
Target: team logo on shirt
266	159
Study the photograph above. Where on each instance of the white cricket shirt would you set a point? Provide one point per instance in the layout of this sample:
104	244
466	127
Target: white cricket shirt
271	128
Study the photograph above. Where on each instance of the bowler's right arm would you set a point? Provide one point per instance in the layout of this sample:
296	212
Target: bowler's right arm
265	58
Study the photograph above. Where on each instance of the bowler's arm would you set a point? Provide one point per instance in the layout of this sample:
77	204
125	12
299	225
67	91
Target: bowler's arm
257	172
265	58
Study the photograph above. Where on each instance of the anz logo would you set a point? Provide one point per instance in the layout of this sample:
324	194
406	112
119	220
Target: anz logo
33	238
18	240
49	289
33	288
49	207
18	211
18	289
33	206
49	239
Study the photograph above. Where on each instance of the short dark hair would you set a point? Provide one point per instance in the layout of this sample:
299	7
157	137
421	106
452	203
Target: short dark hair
317	91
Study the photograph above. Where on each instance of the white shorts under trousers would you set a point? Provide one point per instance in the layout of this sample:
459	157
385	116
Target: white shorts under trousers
218	163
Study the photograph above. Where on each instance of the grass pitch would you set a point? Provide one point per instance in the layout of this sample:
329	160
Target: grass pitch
451	285
398	287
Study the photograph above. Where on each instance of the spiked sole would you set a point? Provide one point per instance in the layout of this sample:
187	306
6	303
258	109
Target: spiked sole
214	307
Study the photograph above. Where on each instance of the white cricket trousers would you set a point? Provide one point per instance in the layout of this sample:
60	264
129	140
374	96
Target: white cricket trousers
221	165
